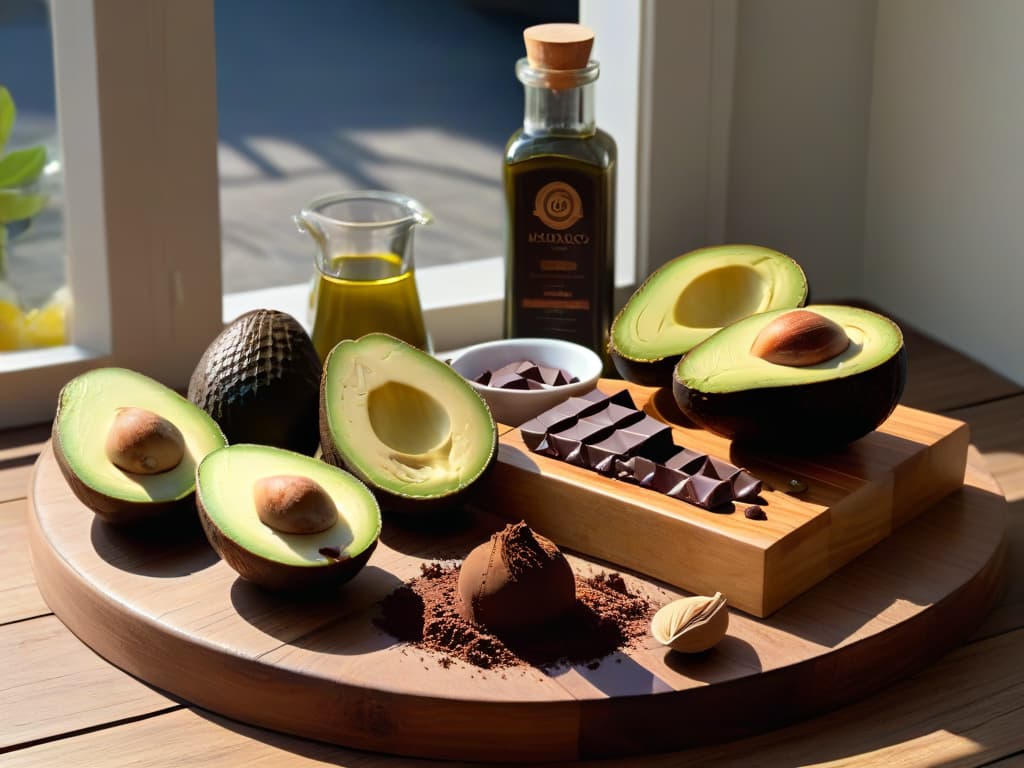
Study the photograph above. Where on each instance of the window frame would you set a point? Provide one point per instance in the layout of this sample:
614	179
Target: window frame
145	295
142	220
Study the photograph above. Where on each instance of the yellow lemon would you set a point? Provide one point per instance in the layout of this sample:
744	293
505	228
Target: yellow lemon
45	327
11	326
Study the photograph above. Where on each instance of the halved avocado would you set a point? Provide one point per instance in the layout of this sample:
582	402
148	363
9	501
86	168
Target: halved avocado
230	510
404	423
686	300
726	388
88	409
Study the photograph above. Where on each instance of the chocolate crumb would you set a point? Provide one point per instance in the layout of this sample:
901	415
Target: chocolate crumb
432	570
605	618
754	512
332	552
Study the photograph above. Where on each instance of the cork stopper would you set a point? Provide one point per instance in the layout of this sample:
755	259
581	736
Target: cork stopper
558	46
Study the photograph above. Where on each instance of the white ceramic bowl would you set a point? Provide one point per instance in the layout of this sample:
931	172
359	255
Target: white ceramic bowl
514	406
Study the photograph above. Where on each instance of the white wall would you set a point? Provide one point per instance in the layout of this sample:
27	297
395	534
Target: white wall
944	235
799	134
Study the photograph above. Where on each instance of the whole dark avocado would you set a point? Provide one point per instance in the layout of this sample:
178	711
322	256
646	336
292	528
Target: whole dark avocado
260	381
800	380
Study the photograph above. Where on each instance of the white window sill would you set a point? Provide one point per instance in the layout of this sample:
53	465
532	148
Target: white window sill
45	357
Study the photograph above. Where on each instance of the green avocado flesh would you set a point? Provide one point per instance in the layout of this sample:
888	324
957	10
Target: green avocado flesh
725	364
725	388
695	294
402	421
87	407
225	489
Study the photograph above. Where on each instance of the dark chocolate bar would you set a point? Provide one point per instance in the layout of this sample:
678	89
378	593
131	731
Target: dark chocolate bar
609	435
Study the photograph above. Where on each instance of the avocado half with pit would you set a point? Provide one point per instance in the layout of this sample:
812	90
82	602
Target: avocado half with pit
284	520
128	446
804	379
686	300
404	423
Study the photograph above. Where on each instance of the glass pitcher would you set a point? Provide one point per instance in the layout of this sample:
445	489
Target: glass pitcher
365	280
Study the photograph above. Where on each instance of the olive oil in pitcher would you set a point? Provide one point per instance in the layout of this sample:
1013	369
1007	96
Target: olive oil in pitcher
362	293
365	280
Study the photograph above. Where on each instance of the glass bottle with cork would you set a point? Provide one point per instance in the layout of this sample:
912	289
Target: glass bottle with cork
559	176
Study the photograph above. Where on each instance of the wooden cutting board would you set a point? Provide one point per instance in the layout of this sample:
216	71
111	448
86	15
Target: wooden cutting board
851	499
166	610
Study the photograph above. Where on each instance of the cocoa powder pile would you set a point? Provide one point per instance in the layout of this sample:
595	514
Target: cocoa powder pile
604	618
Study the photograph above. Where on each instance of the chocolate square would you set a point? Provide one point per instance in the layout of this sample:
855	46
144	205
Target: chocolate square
687	460
635	469
615	415
719	469
704	491
657	437
595	400
531	372
534	430
567	442
664	479
556	377
508	381
600	456
745	486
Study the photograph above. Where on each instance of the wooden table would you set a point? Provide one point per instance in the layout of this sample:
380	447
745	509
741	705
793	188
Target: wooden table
61	705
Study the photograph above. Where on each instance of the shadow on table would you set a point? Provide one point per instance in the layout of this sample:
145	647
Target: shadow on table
165	551
334	621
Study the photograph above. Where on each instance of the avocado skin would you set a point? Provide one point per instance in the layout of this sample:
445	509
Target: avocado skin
270	400
800	418
649	373
275	576
119	511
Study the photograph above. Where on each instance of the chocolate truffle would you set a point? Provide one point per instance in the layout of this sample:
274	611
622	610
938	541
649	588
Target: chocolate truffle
516	580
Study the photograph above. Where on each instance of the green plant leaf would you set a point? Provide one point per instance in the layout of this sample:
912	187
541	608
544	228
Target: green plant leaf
15	206
7	115
22	166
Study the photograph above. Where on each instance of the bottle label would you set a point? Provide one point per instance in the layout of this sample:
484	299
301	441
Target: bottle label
555	271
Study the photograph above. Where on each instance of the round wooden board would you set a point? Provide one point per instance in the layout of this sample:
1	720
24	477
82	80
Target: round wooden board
166	610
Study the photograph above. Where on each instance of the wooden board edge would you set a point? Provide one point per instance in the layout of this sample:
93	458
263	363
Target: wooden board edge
747	706
328	710
942	471
702	561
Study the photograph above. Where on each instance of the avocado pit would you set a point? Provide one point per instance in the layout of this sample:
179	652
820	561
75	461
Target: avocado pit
293	504
800	338
802	385
144	443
